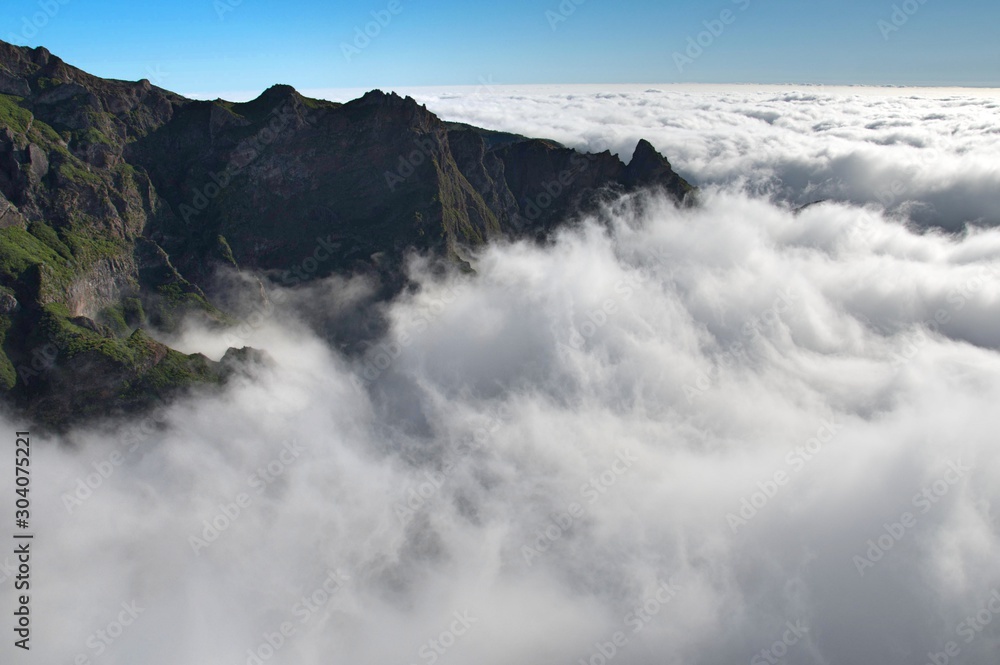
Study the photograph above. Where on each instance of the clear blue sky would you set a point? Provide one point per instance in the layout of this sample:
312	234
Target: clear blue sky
209	46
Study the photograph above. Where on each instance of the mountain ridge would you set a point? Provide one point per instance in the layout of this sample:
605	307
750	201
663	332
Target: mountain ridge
121	201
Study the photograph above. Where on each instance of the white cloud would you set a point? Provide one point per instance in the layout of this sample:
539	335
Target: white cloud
930	153
608	401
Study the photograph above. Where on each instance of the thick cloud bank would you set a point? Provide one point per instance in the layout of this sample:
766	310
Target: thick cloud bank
928	154
731	433
713	432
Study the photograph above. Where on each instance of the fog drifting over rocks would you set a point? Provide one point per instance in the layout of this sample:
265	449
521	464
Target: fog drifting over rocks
720	434
927	153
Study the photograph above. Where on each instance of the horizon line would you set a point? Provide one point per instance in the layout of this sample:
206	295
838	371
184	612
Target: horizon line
248	95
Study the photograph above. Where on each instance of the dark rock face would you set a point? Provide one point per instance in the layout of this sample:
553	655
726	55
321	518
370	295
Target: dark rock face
283	176
119	201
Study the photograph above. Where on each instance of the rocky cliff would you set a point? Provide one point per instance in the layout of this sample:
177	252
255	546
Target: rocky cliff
119	201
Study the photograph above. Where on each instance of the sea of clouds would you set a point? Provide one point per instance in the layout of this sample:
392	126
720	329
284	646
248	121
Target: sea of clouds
729	433
930	154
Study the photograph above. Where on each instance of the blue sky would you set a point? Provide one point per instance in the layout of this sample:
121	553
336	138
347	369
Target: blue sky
212	46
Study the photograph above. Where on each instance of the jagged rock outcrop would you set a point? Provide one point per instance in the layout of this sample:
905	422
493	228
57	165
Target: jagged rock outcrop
120	200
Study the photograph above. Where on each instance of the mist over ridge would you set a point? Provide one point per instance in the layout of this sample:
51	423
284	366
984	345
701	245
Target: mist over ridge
569	430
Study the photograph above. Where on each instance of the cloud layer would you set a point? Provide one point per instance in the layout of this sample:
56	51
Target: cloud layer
929	154
728	433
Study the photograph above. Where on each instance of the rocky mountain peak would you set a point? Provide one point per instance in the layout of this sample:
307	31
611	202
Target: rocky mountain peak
278	93
646	154
391	100
649	167
120	203
380	98
41	55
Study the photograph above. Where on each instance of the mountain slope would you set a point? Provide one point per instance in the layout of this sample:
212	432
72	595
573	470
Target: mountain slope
119	202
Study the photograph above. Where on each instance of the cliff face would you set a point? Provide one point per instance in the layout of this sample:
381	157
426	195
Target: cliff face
119	200
380	174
